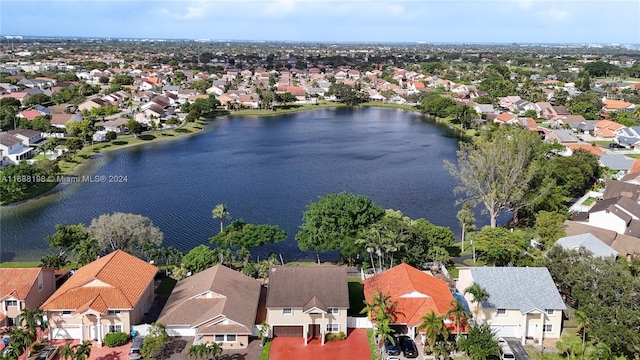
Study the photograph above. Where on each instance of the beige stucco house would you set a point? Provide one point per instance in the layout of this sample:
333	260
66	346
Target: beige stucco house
106	295
216	305
23	288
523	302
307	302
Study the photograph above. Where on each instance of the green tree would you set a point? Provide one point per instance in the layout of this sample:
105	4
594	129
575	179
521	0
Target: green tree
550	227
381	311
334	220
124	231
433	327
459	314
154	341
134	127
199	258
82	351
240	234
36	99
495	170
531	114
54	261
74	144
499	246
221	212
66	352
480	343
67	237
587	110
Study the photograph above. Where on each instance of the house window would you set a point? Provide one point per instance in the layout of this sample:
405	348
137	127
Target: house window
12	322
334	311
547	328
551	312
115	328
67	313
11	303
219	338
114	312
287	311
333	327
231	337
502	312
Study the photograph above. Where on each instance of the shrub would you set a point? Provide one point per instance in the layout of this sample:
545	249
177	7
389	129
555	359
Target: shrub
336	336
36	347
115	339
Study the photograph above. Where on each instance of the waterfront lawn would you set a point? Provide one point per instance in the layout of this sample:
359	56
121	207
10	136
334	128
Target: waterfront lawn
288	109
392	106
19	264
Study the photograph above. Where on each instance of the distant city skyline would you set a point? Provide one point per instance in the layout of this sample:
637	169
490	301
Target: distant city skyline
435	21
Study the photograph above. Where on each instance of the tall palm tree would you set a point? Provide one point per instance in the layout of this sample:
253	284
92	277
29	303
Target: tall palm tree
459	314
221	212
600	351
583	322
569	346
433	327
479	294
383	331
380	307
20	340
193	351
213	350
27	319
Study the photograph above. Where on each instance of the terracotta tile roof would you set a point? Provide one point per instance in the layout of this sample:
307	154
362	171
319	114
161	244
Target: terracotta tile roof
505	116
616	104
30	114
115	281
590	148
635	167
427	293
608	124
17	282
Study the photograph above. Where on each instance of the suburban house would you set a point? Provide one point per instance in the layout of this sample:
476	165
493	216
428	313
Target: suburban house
620	214
107	295
588	242
215	305
23	289
616	105
626	245
13	149
523	302
628	137
415	293
616	162
606	129
307	301
28	137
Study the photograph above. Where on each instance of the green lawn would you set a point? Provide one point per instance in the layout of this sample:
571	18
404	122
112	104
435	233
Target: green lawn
19	264
166	286
373	349
634	156
288	110
356	297
392	106
589	201
264	355
602	143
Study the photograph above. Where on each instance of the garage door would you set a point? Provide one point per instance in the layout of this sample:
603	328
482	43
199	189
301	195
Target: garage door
66	333
287	331
505	331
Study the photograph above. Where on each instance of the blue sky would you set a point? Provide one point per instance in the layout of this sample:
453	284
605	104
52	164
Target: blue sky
521	21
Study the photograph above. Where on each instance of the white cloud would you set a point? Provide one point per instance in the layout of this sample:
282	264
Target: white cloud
279	8
195	10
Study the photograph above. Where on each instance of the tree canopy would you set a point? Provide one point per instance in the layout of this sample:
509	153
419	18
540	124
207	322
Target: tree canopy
125	231
240	234
333	222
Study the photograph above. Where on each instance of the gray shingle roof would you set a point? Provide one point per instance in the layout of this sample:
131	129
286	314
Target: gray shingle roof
523	288
295	286
589	242
616	162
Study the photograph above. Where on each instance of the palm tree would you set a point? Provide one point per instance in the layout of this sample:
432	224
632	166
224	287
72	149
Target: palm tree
380	307
383	331
583	322
27	318
66	352
433	328
221	212
459	313
467	220
83	351
479	294
213	350
569	346
20	340
600	351
193	351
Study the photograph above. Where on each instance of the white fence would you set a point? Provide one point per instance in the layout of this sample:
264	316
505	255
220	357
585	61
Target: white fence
578	205
359	323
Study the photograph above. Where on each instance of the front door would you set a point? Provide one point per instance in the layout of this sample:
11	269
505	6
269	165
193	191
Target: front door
531	331
314	331
93	333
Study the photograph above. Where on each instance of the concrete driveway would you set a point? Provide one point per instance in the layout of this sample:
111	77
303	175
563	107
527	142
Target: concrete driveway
355	347
518	349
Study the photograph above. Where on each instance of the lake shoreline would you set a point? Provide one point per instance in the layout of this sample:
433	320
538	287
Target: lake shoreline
93	163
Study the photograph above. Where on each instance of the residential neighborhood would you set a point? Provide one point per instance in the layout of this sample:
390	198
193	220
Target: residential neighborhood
541	260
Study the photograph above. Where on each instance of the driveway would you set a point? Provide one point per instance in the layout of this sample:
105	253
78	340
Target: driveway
518	349
252	352
355	347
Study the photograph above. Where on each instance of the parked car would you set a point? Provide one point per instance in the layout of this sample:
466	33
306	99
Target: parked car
391	347
615	146
47	353
408	347
506	353
134	351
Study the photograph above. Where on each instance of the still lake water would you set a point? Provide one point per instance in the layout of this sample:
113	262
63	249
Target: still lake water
265	169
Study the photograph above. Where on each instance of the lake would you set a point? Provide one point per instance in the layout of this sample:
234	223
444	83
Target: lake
265	169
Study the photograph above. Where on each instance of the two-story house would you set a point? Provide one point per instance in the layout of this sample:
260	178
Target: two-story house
107	295
23	289
307	302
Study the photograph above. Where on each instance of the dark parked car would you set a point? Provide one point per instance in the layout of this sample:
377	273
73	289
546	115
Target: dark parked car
408	347
391	348
615	145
